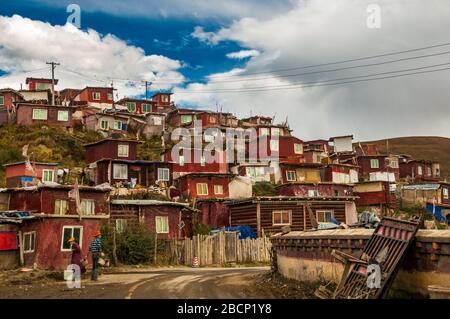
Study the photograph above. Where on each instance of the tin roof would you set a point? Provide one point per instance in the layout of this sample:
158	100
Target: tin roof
150	202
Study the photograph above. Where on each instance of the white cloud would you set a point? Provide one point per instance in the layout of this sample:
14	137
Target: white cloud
86	58
243	54
320	31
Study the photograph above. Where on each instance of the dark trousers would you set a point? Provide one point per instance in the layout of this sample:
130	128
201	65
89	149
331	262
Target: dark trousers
95	257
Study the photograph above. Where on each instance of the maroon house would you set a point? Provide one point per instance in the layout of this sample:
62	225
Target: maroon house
163	102
112	149
166	219
204	185
29	114
19	175
209	119
378	167
40	84
376	194
56	220
101	97
420	170
287	149
305	190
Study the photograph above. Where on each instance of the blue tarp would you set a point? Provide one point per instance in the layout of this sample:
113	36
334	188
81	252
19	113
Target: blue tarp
437	211
244	231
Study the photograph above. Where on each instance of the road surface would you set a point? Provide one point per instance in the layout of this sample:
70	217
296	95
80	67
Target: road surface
185	283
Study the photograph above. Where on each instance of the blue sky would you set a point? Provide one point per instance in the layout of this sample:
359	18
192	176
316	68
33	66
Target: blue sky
170	37
183	45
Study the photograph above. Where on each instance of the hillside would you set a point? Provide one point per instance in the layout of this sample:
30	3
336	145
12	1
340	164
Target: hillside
420	147
54	144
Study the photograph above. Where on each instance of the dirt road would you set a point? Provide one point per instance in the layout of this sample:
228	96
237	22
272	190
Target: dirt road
154	284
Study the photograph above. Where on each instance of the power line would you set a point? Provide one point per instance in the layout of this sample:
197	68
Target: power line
326	82
341	61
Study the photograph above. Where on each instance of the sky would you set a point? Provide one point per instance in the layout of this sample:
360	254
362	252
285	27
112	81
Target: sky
308	62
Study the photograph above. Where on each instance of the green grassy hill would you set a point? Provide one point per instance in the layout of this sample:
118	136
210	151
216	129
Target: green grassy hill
54	144
420	147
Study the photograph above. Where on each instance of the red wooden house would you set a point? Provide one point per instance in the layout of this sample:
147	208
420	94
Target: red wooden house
20	175
139	106
204	185
375	194
166	219
419	170
56	220
100	97
39	84
163	102
285	149
306	190
378	167
340	173
44	114
112	149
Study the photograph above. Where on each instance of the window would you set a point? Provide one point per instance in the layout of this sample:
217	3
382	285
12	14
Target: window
291	176
374	163
157	120
275	131
2	100
324	216
264	131
186	119
63	116
162	224
131	106
165	98
118	125
48	175
202	189
39	114
146	108
163	174
336	192
445	193
29	241
203	161
120	171
281	217
87	207
419	170
181	160
428	170
61	207
212	120
122	150
121	224
110	96
298	148
313	193
218	189
250	171
393	162
274	145
104	125
43	86
96	96
68	232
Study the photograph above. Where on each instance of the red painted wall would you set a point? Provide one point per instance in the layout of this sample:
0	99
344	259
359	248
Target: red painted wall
325	190
86	95
214	214
49	236
383	162
25	115
109	149
410	169
219	166
285	151
188	186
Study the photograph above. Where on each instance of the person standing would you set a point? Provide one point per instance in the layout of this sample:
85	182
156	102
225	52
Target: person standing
95	248
76	254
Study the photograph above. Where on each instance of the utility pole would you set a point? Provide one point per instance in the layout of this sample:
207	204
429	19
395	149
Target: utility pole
53	64
147	83
113	89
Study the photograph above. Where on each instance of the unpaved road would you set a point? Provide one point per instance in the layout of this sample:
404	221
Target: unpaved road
154	284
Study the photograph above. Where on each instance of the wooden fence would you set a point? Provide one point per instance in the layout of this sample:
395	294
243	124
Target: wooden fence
221	248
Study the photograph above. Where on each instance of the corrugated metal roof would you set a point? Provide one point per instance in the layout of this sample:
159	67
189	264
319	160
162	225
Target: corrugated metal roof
424	187
149	202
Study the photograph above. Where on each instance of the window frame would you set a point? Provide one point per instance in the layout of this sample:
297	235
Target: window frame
80	242
60	112
123	147
324	211
277	148
110	96
184	116
290	172
94	95
166	219
92	206
115	176
32	243
131	106
219	186
264	129
44	171
163	169
282	220
101	125
145	105
124	224
33	116
316	193
201	185
300	150
2	100
115	126
445	192
60	206
372	161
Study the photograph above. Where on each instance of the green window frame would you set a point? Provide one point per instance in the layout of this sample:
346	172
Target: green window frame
131	106
291	176
40	114
162	224
104	125
186	119
146	108
374	163
2	100
48	175
63	116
